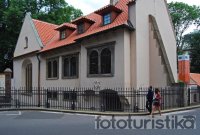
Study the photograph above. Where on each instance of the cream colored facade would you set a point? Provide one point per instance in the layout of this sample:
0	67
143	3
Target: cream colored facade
141	18
142	57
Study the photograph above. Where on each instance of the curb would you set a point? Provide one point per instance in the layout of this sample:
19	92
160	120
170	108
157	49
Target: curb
101	113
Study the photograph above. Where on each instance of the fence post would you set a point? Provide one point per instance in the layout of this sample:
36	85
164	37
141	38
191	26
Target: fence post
8	73
185	95
73	98
47	100
17	101
38	96
189	93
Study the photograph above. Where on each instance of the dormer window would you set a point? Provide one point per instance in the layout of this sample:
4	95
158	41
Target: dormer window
66	29
80	28
107	19
108	13
83	24
62	34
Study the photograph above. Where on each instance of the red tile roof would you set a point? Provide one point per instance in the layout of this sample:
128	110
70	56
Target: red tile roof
94	28
45	30
195	78
66	25
83	19
107	8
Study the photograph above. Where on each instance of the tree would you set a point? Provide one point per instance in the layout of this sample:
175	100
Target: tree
192	44
5	60
12	13
183	16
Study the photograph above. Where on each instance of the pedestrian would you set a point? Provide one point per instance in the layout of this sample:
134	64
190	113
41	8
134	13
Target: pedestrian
149	99
156	102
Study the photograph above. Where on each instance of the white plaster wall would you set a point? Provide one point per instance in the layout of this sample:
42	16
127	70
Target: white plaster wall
121	62
118	80
133	59
127	58
142	42
28	30
60	82
133	67
158	73
168	37
19	74
122	68
143	9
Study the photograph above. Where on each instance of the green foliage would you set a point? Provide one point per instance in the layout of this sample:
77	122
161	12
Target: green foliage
12	15
183	16
192	44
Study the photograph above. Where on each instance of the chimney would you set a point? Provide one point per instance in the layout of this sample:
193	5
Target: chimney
113	2
184	68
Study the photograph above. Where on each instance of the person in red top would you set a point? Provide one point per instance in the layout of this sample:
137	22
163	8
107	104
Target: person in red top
156	102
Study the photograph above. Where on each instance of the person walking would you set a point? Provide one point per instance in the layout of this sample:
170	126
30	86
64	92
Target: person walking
149	99
156	102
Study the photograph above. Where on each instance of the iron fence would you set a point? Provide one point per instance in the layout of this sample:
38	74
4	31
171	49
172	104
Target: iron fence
193	95
90	99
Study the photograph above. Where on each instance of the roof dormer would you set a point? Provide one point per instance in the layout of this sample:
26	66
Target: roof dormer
83	24
65	30
108	13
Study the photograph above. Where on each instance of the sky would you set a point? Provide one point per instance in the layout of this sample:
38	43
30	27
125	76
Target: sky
89	6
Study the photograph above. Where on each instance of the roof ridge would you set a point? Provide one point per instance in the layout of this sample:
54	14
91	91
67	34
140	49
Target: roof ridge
45	22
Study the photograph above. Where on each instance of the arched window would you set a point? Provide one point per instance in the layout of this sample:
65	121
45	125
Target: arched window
26	43
28	77
70	66
106	61
93	62
100	61
52	68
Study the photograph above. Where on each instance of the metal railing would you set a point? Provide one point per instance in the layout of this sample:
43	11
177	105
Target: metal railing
90	99
193	96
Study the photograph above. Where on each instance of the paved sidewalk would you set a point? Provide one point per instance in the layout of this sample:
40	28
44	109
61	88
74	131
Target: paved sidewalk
102	113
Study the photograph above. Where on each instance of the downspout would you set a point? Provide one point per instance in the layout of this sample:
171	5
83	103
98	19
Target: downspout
38	79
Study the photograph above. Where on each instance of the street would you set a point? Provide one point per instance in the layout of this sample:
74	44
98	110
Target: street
50	123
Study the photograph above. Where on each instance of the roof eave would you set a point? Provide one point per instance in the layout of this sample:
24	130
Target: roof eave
119	26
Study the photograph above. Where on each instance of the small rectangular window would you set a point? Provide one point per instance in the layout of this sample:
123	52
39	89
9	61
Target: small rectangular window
52	68
107	19
80	28
63	34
